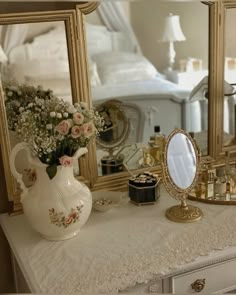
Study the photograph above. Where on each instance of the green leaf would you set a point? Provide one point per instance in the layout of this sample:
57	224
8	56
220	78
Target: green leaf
51	170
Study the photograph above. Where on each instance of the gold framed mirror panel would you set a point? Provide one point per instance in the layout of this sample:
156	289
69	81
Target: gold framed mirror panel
226	57
218	90
118	181
71	14
215	75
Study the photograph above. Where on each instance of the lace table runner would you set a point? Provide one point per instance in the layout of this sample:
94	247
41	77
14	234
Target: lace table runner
126	245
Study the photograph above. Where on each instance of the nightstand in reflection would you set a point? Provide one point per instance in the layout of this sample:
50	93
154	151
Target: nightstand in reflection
186	80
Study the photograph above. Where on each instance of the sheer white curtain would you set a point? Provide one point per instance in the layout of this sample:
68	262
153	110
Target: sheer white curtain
113	15
12	35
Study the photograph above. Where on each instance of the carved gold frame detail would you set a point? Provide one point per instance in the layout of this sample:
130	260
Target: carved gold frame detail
72	14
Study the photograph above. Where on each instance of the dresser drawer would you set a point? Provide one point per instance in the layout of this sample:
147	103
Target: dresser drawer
219	277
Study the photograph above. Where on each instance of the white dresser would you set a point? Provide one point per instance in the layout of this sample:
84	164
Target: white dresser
129	249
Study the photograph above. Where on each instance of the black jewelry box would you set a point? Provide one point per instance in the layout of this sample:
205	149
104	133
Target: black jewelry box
112	165
144	188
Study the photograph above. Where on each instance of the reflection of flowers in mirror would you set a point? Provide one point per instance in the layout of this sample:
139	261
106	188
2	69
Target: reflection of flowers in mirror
55	129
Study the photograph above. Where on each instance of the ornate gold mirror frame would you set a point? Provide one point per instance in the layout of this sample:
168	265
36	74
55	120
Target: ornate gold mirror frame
118	181
72	14
218	150
224	7
180	173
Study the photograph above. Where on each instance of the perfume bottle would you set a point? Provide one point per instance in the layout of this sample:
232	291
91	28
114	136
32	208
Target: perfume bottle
227	178
157	145
211	175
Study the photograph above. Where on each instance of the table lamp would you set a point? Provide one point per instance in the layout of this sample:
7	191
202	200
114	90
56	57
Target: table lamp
172	33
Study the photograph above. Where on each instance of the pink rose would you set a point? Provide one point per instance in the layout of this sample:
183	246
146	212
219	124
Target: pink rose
66	161
78	118
63	127
88	129
76	131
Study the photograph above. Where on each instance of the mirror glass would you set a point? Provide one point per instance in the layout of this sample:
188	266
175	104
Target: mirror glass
39	56
180	171
181	160
34	54
136	69
116	125
230	78
113	136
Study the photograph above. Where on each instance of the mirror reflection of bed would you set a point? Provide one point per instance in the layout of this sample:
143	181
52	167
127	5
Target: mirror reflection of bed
129	62
36	55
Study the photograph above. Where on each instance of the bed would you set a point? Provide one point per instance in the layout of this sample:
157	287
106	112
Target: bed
116	72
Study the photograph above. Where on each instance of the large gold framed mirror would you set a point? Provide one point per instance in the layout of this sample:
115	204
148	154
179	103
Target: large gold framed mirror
42	43
191	110
227	62
180	172
222	88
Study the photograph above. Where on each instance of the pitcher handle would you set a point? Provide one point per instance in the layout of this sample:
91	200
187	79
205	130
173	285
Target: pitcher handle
18	147
80	152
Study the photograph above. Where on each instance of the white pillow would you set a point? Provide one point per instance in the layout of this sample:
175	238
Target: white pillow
38	67
93	74
121	42
42	47
98	39
119	67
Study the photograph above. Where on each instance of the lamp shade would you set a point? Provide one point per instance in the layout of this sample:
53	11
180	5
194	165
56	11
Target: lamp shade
172	29
3	57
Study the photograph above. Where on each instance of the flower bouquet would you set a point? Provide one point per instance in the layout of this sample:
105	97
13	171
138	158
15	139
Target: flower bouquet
54	129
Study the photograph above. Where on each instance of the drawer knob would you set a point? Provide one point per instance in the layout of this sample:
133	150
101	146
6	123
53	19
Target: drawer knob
198	285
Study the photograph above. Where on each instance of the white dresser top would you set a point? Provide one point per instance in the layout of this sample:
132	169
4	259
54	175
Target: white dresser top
122	247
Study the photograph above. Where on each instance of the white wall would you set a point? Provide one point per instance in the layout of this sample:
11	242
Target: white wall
147	18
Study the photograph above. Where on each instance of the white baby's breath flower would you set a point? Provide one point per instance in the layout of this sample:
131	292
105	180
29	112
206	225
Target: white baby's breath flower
84	105
36	124
13	88
52	114
17	104
71	109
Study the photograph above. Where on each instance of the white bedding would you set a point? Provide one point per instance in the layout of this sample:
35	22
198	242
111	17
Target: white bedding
114	74
158	88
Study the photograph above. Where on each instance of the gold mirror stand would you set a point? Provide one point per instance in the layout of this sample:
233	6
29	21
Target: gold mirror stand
181	213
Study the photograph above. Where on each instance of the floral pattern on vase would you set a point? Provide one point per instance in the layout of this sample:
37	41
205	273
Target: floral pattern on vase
59	218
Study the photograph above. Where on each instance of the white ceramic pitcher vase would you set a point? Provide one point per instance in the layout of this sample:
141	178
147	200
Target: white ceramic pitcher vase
57	208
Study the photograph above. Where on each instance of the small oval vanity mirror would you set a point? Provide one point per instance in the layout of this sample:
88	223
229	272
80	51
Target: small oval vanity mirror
113	137
116	125
180	170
